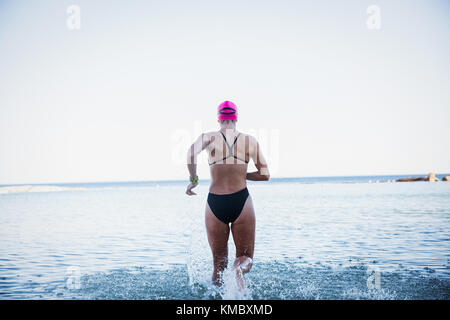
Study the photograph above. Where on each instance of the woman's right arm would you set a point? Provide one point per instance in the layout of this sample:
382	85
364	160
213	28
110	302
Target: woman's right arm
200	144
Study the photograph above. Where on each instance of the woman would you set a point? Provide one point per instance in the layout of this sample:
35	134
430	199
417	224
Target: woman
229	202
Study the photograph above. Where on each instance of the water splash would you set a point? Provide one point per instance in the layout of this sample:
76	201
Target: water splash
198	257
230	289
268	280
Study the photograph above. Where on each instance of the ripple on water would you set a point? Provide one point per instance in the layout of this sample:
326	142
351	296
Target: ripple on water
338	229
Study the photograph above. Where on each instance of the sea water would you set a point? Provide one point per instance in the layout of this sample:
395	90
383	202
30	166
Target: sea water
316	238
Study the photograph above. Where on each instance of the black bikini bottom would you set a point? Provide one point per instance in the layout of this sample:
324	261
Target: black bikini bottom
227	207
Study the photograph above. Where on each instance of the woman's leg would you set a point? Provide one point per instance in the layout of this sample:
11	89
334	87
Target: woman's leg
218	233
243	230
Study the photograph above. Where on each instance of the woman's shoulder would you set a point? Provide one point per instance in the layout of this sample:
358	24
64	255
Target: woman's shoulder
249	137
210	134
214	134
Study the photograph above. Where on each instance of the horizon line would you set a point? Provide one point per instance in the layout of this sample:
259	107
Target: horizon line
186	180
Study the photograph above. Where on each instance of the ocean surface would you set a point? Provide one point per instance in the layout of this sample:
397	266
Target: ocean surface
316	238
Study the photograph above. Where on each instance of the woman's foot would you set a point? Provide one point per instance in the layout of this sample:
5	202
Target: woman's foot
242	265
240	278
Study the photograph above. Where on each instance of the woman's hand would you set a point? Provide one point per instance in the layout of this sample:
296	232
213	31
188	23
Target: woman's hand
191	186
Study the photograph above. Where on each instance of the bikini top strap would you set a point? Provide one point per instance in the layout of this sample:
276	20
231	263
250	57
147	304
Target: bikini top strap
236	139
230	148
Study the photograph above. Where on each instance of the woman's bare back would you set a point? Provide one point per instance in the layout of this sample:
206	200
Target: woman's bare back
228	157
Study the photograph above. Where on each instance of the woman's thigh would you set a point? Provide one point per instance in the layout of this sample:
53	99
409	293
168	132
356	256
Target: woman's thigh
243	230
218	233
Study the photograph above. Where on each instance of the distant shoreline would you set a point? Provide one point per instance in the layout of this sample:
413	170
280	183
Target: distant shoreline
36	188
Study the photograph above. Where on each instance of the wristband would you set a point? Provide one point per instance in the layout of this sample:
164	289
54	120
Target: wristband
194	180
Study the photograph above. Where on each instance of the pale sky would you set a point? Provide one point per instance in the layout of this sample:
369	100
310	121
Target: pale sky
122	98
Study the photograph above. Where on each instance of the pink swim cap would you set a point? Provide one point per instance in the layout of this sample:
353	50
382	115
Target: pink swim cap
227	110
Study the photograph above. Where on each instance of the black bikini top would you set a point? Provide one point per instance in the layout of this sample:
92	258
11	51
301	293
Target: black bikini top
230	149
